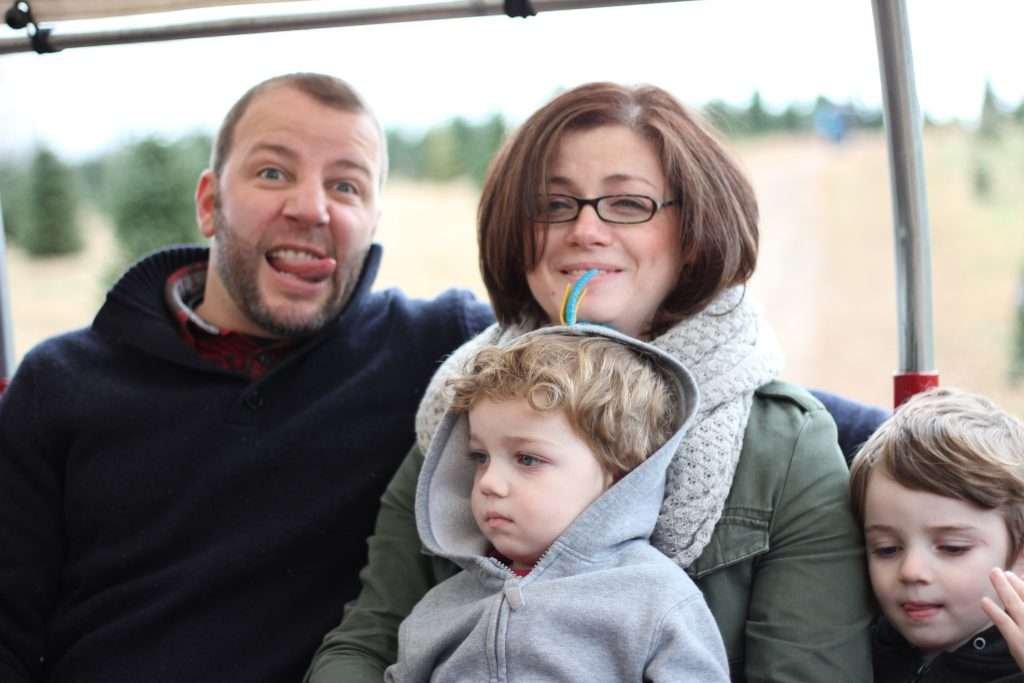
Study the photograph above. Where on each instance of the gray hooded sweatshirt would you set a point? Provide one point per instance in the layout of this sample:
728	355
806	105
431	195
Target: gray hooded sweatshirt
601	604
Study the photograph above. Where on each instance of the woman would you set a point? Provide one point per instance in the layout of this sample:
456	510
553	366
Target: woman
626	181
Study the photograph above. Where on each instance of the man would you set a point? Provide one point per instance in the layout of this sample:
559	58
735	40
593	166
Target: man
184	481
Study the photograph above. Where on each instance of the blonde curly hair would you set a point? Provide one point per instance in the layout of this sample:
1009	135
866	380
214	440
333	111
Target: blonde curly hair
616	399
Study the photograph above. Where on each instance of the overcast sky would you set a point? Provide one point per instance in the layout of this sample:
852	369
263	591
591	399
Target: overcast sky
417	74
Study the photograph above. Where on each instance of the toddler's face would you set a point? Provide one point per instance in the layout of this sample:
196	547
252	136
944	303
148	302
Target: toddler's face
929	558
534	475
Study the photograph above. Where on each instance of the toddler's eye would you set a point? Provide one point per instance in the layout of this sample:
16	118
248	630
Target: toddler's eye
346	187
885	551
477	457
527	460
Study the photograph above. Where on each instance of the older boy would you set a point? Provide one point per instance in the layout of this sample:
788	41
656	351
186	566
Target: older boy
539	485
940	491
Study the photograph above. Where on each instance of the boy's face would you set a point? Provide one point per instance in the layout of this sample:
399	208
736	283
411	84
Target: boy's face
534	475
929	558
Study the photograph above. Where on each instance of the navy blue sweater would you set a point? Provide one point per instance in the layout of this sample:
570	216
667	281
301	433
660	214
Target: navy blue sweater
165	520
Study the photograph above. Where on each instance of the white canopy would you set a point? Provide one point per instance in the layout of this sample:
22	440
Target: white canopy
60	10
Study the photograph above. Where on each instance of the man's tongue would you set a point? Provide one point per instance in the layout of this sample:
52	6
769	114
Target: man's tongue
303	267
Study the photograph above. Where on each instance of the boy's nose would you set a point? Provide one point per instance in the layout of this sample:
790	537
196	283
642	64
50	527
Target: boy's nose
914	567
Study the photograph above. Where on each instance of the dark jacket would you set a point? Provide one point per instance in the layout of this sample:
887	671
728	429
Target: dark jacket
985	658
165	520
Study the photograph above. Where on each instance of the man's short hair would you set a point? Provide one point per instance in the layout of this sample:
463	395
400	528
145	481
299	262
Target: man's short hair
617	400
327	90
954	444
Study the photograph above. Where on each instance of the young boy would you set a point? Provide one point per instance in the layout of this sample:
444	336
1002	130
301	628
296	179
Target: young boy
939	489
539	486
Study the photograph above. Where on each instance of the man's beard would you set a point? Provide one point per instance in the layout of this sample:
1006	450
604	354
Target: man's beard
238	264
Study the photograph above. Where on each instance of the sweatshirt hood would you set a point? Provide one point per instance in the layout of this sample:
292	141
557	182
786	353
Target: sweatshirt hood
626	512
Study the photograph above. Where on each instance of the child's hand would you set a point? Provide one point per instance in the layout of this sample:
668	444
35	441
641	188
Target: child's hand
1010	621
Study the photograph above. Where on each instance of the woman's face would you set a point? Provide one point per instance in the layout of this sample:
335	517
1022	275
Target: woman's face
639	264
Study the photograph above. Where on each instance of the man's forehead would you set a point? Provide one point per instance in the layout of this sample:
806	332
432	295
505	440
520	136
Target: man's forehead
284	115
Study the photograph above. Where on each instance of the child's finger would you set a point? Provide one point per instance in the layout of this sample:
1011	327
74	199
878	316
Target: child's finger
1009	588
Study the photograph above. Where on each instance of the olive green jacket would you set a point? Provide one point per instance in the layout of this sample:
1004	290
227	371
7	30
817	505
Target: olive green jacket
783	572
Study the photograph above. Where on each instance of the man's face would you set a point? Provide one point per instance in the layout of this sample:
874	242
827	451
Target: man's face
292	215
929	557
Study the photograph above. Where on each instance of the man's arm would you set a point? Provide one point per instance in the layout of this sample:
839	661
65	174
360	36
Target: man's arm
31	545
397	575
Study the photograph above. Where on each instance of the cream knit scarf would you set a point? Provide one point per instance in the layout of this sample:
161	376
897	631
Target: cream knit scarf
730	351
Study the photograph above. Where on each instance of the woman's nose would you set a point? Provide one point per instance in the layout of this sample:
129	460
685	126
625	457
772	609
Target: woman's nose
588	228
307	204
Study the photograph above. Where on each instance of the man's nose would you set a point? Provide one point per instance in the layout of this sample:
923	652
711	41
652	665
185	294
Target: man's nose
307	203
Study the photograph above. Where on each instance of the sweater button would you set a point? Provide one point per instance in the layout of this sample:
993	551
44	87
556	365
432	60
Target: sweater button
979	643
254	401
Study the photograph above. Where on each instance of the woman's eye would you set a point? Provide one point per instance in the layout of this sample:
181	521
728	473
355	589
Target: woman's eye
628	204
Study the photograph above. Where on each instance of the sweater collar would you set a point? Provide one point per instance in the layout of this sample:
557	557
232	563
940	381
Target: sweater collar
135	311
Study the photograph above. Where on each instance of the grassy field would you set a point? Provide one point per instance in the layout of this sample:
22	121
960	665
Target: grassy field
825	279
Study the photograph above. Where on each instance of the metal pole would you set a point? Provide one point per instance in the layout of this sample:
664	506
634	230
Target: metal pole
903	123
296	22
6	330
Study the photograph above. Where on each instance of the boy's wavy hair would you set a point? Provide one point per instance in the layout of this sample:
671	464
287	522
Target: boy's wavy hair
954	444
616	399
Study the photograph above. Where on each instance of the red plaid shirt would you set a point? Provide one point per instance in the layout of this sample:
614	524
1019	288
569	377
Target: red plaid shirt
243	353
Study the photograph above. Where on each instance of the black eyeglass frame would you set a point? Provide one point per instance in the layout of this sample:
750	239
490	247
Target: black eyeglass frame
582	202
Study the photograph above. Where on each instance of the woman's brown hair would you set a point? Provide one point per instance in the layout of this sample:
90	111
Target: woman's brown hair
718	212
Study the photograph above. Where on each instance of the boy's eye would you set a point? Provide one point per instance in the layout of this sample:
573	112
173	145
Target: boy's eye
949	549
478	457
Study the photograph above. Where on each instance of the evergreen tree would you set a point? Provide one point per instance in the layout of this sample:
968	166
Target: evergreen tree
758	118
151	189
991	116
51	227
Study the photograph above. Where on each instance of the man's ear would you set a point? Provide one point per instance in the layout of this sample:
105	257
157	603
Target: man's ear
206	202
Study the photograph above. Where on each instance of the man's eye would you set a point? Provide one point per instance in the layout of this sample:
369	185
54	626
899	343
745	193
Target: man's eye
271	173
